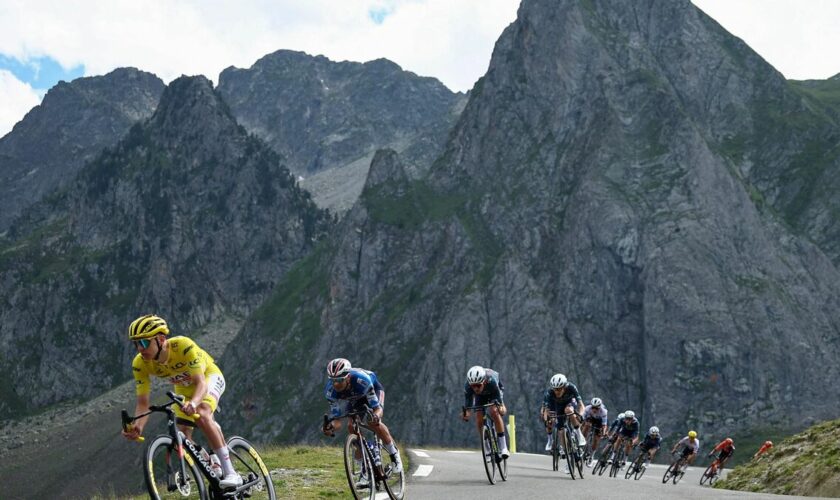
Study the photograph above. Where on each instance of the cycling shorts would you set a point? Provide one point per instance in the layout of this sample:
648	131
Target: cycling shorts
215	389
596	422
481	399
646	447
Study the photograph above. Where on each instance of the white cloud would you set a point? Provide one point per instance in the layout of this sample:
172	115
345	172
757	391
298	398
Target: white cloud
16	99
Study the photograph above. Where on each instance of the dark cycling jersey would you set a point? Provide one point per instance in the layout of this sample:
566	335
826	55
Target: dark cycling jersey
630	430
650	442
492	391
615	424
570	396
364	389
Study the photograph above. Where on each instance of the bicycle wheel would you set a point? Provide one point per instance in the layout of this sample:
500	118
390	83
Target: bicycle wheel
578	457
394	480
359	470
488	455
248	464
632	469
163	476
680	472
617	458
555	449
641	471
668	472
502	465
569	446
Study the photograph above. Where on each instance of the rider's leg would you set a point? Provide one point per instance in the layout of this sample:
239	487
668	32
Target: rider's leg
499	424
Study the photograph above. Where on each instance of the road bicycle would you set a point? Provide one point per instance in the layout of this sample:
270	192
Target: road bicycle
604	458
676	470
363	451
589	450
490	453
638	466
617	456
712	472
571	444
173	464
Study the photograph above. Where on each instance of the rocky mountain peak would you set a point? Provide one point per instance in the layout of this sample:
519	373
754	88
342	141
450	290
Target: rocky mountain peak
190	108
385	167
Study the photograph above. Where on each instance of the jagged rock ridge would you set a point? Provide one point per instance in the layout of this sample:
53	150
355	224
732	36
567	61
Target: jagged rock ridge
72	125
188	216
589	216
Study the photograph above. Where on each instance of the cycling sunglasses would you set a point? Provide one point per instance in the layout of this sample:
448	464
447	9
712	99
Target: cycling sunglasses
339	379
143	343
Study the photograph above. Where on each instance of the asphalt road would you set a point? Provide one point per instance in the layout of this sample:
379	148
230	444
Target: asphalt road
459	474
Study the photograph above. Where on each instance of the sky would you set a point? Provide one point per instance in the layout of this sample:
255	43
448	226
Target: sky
45	41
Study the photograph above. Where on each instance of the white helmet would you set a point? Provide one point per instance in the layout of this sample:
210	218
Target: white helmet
476	375
629	414
654	431
621	416
558	381
596	402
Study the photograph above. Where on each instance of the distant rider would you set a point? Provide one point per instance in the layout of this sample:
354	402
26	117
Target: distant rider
690	446
563	398
483	387
628	432
761	451
724	449
595	417
651	443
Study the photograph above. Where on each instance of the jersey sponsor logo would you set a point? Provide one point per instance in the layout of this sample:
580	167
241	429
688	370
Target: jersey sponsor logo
195	362
188	349
178	365
181	378
135	368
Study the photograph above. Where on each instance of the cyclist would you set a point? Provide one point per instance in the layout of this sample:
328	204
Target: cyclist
628	433
595	416
690	446
355	389
724	449
651	443
761	451
194	375
484	386
563	398
611	434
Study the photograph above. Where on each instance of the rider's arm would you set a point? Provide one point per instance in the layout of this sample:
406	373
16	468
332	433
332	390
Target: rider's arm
142	406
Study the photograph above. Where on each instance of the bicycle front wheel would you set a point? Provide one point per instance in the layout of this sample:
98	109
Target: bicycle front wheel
679	472
359	470
668	472
569	446
488	455
641	471
164	478
555	449
248	464
394	479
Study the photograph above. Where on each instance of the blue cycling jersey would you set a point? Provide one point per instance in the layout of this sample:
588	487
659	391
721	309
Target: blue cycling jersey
631	430
570	395
650	442
364	387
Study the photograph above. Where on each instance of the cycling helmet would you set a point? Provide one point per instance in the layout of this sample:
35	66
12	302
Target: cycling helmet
729	441
621	416
629	414
654	431
476	375
558	381
338	368
692	434
596	402
769	443
146	327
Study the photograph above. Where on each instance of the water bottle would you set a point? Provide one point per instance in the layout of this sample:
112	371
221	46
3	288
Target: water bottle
377	460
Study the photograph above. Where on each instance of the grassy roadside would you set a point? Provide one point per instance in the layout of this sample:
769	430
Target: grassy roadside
805	464
299	472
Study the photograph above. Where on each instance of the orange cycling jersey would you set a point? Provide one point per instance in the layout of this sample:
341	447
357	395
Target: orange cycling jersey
724	446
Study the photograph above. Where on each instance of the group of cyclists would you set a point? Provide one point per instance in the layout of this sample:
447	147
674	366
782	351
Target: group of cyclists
199	380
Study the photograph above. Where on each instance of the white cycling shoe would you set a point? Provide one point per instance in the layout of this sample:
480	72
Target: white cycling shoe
505	452
363	482
231	481
548	444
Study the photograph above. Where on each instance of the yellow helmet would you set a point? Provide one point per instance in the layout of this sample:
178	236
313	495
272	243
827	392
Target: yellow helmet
692	434
146	327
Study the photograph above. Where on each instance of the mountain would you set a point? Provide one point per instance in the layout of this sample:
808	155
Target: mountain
625	199
188	216
327	118
73	124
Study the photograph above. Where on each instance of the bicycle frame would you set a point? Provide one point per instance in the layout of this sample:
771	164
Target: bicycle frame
180	443
379	473
490	426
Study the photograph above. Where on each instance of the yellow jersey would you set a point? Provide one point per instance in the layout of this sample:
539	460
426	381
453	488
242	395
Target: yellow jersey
185	360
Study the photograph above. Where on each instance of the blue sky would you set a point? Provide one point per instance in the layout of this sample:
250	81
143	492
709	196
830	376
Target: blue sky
40	73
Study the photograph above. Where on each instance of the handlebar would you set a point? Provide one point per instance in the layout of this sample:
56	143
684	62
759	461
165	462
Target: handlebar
128	421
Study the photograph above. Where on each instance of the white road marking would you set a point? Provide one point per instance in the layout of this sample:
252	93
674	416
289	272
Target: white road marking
423	470
461	451
420	453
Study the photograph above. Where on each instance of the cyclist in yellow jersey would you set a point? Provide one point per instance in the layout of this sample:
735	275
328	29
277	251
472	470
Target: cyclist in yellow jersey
195	376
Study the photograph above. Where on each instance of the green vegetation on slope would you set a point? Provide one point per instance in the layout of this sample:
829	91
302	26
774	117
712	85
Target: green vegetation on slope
806	464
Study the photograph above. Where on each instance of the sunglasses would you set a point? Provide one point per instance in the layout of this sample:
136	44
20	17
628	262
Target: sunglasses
142	343
338	379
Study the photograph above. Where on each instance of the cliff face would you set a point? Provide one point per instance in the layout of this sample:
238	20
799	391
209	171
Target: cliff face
327	118
611	205
188	216
73	124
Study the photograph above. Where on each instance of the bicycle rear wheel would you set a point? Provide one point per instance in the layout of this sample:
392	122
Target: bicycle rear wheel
248	464
488	455
163	476
358	471
394	480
